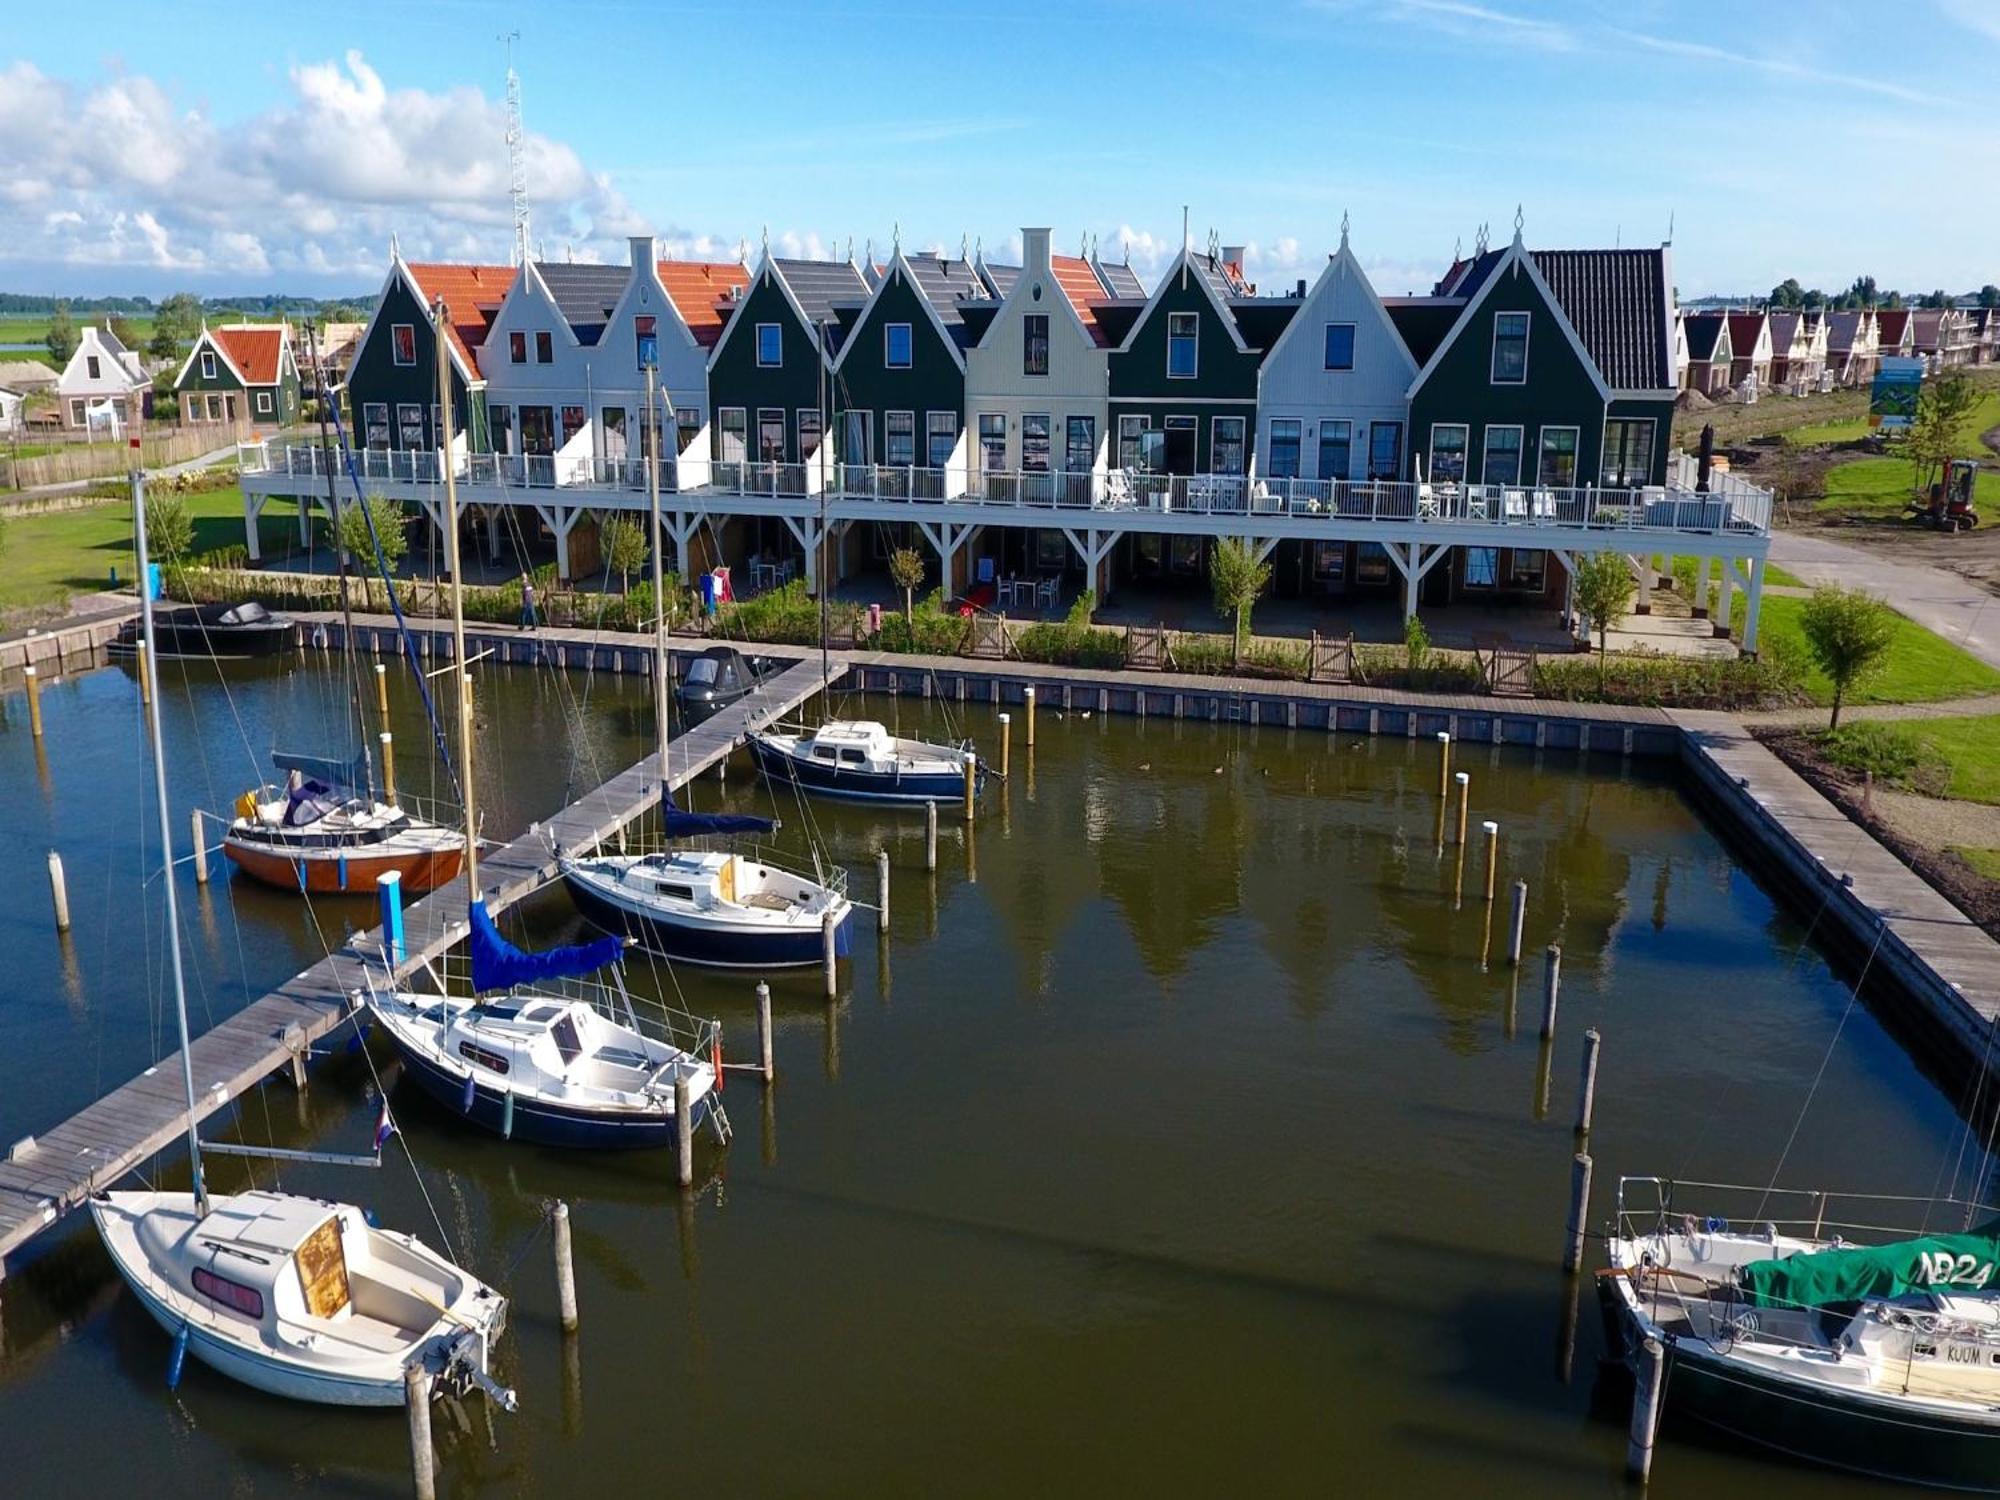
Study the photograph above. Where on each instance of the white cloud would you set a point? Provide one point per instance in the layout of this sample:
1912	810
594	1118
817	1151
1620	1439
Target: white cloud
1975	15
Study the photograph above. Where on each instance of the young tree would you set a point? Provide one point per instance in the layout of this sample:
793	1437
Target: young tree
906	571
1604	585
1788	293
1989	295
1847	634
624	549
62	336
1935	299
176	322
169	529
1236	578
392	530
1942	405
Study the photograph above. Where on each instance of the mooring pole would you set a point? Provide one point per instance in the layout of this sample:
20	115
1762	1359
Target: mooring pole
1444	763
200	850
417	1397
1586	1097
1645	1409
829	958
34	702
1552	974
1028	697
389	768
764	1058
1579	1211
930	835
1464	804
389	886
382	690
145	679
683	1132
881	890
59	891
565	1269
971	783
1517	923
1006	742
1492	856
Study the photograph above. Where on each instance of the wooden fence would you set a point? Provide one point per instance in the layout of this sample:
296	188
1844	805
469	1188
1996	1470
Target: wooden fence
102	460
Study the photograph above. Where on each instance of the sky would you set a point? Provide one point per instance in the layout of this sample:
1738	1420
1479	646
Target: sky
226	148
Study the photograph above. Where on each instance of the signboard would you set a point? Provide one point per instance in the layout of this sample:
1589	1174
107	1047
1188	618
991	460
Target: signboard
1892	403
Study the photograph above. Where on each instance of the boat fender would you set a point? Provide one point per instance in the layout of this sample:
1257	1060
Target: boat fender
368	1218
178	1358
471	1093
1715	1225
246	806
506	1112
299	869
715	1057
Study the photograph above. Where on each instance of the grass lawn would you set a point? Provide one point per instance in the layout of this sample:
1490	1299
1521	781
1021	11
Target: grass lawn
1883	486
1777	577
1971	747
1958	759
1920	668
1819	434
1984	862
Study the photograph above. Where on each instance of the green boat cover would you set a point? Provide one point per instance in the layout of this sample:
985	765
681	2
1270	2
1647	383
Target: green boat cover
1930	1263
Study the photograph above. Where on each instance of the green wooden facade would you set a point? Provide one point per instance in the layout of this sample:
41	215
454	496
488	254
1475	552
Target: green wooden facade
405	394
738	384
884	414
1184	408
281	397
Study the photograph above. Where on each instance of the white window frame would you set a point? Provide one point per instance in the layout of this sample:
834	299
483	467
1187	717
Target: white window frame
1493	356
1048	421
1604	447
799	430
777	329
888	426
1319	447
544	339
264	403
935	424
208	364
1194	338
193	408
988	422
722	434
1576	452
1297	433
396	332
369	422
1136	425
1027	370
1464	448
1492	581
1242	426
517	347
1351	332
889	361
1069	426
1486	451
771	416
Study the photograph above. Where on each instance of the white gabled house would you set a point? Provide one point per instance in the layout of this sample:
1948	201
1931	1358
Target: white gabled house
103	385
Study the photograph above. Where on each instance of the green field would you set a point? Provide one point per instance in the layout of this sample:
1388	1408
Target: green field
1920	667
1820	434
1883	486
1957	759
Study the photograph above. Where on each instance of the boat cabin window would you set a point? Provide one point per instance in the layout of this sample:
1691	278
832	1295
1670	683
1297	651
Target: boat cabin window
823	752
674	892
233	1295
854	757
568	1043
540	1012
703	669
493	1062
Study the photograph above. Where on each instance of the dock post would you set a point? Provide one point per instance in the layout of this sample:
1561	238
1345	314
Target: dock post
1006	742
34	702
388	767
1586	1098
59	890
1492	856
1552	975
200	851
930	835
829	957
1645	1410
764	1058
382	690
1444	763
389	886
1519	921
145	677
971	783
683	1133
1464	780
1028	696
565	1268
881	890
417	1397
1579	1211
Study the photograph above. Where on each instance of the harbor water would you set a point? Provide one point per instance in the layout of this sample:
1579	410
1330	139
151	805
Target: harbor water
1187	1134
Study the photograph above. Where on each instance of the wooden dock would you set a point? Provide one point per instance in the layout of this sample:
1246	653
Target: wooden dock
45	1176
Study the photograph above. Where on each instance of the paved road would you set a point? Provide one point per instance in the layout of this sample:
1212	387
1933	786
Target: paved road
1959	610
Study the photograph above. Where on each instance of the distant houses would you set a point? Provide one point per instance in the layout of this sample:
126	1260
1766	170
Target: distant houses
240	374
104	387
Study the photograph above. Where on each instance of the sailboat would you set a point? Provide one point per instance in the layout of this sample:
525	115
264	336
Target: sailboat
324	831
704	906
296	1296
551	1066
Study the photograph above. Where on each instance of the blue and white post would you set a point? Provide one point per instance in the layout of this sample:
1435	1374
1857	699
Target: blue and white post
390	887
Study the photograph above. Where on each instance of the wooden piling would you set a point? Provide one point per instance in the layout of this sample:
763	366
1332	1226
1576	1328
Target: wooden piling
881	890
1006	742
417	1397
1579	1211
683	1132
59	891
930	835
829	957
1517	923
1444	763
389	768
1028	697
764	1054
1492	830
1464	804
1586	1097
971	783
145	677
382	690
1552	967
1648	1379
565	1268
200	850
34	702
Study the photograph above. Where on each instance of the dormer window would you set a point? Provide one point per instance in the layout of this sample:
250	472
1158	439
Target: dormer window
1183	333
1340	346
1510	348
91	365
517	348
896	346
545	348
645	328
770	345
403	343
1035	344
207	364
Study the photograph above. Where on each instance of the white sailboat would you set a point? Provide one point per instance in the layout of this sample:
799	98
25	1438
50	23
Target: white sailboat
293	1295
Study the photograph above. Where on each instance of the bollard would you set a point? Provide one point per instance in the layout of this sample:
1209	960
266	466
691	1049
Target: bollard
1444	763
34	703
382	691
764	1058
1028	697
388	767
881	890
145	677
1492	856
200	851
1579	1211
683	1132
1464	804
389	887
971	783
417	1397
1006	742
829	957
1552	971
1645	1409
59	890
1517	923
930	835
1586	1098
565	1269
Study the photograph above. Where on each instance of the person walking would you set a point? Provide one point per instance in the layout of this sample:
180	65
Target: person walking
528	620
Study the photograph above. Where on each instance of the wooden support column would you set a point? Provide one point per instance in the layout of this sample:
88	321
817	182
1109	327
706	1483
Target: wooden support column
253	507
1754	591
1724	577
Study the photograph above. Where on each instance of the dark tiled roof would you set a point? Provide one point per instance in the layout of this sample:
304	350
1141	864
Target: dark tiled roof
944	282
1261	320
1117	318
978	317
1703	329
585	294
1743	331
1423	322
1618	301
823	285
1002	277
1120	281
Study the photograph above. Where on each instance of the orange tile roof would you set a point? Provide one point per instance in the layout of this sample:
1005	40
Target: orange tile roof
1080	284
253	349
697	288
472	295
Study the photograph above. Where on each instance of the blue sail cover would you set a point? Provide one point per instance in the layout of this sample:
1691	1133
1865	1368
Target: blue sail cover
497	964
681	822
344	773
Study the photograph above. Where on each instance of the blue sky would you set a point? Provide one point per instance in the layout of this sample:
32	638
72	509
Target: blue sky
239	148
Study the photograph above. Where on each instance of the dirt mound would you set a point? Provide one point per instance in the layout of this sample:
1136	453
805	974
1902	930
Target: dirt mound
1692	400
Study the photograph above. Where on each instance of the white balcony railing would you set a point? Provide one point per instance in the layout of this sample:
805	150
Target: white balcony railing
1730	503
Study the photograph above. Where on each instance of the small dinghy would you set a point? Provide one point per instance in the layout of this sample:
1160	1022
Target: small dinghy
323	832
221	630
860	758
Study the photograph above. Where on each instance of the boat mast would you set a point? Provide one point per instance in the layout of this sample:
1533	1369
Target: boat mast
461	678
820	559
659	581
150	666
325	389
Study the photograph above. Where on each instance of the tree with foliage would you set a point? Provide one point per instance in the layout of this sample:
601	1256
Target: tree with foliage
624	549
1935	299
62	336
1892	301
1989	295
1863	292
1848	633
1788	293
1814	299
176	323
906	571
392	531
342	312
1416	647
1604	587
169	530
124	330
1943	405
1236	578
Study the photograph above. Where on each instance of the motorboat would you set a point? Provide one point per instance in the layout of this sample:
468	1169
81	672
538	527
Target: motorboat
718	677
709	907
861	758
323	832
223	630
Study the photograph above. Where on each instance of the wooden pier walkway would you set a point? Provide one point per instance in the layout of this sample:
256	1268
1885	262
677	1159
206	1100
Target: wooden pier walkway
45	1176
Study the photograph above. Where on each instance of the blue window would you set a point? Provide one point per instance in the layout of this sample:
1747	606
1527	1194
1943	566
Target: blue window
1482	567
1183	329
896	346
770	344
1340	346
1510	348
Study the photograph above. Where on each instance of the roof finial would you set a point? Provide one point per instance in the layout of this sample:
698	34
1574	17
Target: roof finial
1520	219
1083	250
1343	229
867	252
765	241
1670	226
896	238
395	250
979	248
850	249
963	241
742	249
1457	244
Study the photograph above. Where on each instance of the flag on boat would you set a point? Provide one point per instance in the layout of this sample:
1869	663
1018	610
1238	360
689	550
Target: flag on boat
498	965
1942	1263
384	1128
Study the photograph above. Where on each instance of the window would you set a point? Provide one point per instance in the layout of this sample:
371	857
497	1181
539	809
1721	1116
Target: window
215	408
770	345
472	1052
854	438
899	437
1183	333
1558	468
1080	444
1385	450
1035	344
896	346
1340	346
545	348
1336	449
1510	348
1448	452
810	432
770	435
76	414
1482	567
194	408
1528	569
1283	459
940	437
569	1046
733	436
611	421
646	333
410	425
207	365
517	348
1329	562
1181	435
1035	444
687	427
993	442
264	402
1502	464
233	1295
1628	452
1131	440
403	343
1225	445
574	420
375	424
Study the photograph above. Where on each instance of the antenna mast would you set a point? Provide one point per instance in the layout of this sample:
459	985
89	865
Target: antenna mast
517	158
